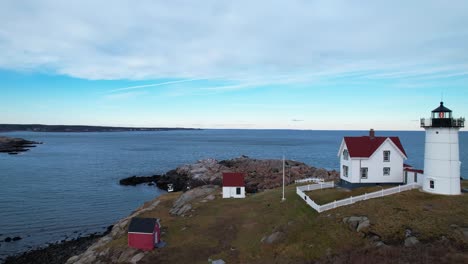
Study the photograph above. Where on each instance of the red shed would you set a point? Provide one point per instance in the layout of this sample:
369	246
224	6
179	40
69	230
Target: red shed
144	233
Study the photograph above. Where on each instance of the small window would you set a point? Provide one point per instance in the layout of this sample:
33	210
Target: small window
364	173
238	191
345	171
345	154
386	171
431	184
415	177
386	156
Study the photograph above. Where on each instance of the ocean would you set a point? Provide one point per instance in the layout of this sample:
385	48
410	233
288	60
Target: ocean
69	185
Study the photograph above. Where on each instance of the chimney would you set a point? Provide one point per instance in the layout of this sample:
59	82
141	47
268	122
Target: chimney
372	133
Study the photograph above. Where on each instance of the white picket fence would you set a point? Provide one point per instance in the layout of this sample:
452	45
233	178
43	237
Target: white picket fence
320	208
317	180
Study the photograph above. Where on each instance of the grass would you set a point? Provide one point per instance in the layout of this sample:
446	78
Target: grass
329	195
232	229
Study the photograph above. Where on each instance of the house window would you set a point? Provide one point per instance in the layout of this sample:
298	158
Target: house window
431	184
345	154
386	171
345	171
364	173
238	190
386	156
415	177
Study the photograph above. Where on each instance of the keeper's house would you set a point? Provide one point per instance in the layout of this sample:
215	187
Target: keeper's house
369	160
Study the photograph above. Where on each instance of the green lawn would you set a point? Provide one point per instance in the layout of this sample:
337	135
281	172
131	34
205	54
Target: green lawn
329	195
232	229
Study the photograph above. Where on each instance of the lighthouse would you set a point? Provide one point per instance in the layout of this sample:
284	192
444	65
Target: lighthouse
441	153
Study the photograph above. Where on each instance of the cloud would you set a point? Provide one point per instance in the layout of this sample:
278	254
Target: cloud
156	84
297	120
124	96
190	40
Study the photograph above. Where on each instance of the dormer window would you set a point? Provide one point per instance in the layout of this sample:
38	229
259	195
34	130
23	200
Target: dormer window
386	156
345	154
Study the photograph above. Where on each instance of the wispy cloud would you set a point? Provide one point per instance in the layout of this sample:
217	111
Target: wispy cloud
232	38
124	96
156	84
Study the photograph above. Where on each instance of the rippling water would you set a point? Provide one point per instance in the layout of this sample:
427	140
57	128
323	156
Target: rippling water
69	185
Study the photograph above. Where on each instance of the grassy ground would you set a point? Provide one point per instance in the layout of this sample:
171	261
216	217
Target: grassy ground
329	195
232	229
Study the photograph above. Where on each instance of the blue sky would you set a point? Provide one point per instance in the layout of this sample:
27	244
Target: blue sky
232	64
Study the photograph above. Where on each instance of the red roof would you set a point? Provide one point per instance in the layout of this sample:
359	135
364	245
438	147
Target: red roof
231	179
364	147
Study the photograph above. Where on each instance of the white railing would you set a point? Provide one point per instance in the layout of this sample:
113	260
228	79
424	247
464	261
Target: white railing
311	187
317	180
351	200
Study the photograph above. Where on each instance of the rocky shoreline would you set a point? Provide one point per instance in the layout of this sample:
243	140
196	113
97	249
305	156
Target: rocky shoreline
260	174
14	146
57	253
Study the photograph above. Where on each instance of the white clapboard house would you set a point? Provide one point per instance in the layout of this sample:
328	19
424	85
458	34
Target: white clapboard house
367	160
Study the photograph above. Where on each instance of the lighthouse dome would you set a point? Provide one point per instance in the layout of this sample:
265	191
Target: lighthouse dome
441	109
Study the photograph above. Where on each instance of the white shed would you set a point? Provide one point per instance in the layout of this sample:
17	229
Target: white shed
233	185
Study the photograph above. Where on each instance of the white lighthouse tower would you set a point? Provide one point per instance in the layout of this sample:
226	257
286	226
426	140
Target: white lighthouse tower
441	154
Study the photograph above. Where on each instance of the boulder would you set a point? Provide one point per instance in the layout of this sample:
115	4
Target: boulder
411	241
363	225
210	197
16	238
218	261
137	258
464	231
273	238
7	239
357	223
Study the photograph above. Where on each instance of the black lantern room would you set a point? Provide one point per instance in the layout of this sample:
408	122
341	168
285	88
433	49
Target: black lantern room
442	117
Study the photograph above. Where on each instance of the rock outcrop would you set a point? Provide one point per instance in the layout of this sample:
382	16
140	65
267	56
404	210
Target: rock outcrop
100	252
183	204
95	254
15	145
260	174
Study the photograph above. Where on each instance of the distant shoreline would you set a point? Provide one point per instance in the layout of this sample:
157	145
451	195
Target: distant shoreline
79	128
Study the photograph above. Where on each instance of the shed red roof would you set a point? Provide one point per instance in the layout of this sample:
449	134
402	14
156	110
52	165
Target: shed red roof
231	179
365	146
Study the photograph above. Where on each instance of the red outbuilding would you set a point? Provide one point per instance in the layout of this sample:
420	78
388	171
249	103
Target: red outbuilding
144	233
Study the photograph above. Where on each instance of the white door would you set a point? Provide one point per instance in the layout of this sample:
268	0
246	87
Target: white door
155	238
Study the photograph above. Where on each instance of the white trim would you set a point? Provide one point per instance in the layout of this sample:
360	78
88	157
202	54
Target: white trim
340	150
140	233
396	147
